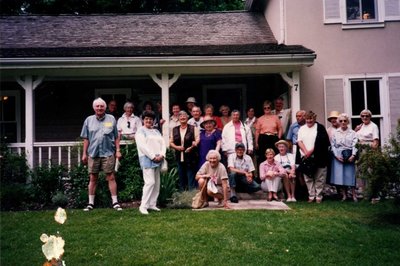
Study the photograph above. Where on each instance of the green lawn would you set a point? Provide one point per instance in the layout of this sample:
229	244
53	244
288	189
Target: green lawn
331	233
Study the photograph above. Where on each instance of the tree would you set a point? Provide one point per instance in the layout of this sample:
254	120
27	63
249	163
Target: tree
54	7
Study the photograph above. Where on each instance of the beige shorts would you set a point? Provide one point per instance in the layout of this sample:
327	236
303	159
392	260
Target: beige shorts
97	164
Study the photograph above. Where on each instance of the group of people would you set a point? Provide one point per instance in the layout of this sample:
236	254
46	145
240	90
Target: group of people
228	155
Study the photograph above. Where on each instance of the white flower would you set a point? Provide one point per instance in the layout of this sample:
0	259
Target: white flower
44	238
60	216
53	247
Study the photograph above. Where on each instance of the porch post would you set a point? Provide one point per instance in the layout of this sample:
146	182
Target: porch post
165	81
294	83
29	83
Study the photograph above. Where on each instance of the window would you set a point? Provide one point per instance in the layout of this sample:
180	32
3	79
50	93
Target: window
10	121
359	10
365	94
361	13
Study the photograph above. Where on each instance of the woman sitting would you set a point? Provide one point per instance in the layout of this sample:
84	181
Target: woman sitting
271	173
214	171
287	160
343	171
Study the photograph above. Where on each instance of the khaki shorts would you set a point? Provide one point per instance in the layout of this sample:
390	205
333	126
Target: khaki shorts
107	164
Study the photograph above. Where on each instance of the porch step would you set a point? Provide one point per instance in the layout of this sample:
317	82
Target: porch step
253	196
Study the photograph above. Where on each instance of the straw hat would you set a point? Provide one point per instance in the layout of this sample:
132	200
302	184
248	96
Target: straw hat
206	119
333	114
284	142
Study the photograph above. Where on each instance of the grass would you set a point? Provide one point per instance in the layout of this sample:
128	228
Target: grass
331	233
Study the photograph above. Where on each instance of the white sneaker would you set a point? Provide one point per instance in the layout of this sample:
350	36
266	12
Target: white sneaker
294	200
154	209
143	211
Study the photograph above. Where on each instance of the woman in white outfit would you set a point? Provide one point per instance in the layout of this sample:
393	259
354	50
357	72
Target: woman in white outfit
151	150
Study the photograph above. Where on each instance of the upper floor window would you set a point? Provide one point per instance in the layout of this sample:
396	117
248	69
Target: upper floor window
359	10
361	13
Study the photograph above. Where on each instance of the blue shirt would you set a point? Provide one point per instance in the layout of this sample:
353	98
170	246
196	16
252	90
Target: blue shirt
101	134
293	132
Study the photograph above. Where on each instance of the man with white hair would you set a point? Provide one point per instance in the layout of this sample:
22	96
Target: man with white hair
100	149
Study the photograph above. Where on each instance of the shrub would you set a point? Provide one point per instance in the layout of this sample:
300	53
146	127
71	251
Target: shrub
13	167
46	182
182	200
60	200
167	186
381	168
76	188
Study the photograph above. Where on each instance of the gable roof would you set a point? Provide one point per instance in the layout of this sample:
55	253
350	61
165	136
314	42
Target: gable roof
195	34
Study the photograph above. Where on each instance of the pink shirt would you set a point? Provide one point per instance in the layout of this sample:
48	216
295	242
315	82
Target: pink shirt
275	167
268	124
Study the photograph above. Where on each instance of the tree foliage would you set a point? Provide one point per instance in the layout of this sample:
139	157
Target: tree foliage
55	7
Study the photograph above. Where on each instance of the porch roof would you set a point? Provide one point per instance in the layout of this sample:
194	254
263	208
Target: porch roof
139	44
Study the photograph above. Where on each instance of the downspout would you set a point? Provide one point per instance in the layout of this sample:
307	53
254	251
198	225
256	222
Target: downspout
282	22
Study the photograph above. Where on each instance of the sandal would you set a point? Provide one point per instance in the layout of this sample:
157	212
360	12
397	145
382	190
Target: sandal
89	207
117	207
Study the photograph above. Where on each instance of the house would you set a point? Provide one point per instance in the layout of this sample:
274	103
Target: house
52	67
358	48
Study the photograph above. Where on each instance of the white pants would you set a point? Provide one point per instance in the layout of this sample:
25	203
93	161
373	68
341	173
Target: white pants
272	185
151	187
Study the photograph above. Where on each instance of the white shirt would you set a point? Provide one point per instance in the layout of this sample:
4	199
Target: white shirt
307	135
128	128
245	163
195	123
284	116
368	132
228	137
173	122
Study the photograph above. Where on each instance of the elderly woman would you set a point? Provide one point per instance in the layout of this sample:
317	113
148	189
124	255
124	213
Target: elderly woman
151	150
209	111
184	140
287	160
128	124
210	138
271	174
214	171
344	149
225	117
313	141
268	131
367	132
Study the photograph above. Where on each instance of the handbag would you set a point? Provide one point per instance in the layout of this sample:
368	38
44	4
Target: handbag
198	200
346	154
307	166
164	166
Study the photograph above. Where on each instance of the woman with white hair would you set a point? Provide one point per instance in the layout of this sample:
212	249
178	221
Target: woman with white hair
128	123
344	149
214	171
367	131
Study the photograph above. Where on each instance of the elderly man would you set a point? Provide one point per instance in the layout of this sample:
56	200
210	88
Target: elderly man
196	119
283	114
100	148
241	168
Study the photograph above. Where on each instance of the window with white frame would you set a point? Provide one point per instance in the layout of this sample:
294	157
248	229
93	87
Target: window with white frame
366	94
361	13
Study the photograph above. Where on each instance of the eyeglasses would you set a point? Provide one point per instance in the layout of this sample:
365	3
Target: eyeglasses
267	107
129	124
365	116
342	121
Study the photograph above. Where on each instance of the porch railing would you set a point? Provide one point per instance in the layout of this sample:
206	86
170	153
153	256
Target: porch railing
67	154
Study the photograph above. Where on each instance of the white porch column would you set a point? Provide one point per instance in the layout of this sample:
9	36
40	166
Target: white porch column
29	83
165	81
294	83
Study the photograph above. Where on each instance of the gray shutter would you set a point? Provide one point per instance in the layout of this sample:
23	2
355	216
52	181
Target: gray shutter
332	11
394	101
334	99
392	10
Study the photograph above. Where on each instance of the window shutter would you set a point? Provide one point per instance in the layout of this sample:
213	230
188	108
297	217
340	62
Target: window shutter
392	10
394	101
332	11
334	99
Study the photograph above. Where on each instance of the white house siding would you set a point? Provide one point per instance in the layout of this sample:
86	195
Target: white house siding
339	52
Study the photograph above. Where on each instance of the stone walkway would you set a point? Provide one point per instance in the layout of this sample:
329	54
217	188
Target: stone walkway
252	204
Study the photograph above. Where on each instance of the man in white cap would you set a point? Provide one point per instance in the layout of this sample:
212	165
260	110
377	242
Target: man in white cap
190	103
